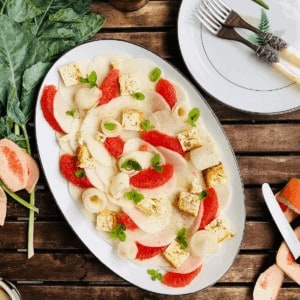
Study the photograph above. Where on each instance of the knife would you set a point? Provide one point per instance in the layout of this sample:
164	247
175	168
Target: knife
282	223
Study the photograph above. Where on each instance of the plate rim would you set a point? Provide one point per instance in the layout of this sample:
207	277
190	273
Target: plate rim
167	290
198	83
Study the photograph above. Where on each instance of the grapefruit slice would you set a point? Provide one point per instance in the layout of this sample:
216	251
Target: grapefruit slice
145	252
177	280
268	284
286	261
290	194
47	101
166	89
13	165
110	87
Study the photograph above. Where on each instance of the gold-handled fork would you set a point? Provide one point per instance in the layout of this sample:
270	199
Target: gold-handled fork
209	21
230	18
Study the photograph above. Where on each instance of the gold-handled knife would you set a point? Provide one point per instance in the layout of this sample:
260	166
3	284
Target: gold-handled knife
282	223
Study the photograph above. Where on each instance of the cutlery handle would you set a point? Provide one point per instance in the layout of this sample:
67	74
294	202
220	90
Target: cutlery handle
292	54
286	71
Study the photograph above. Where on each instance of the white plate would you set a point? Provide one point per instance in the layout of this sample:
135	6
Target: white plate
85	229
230	71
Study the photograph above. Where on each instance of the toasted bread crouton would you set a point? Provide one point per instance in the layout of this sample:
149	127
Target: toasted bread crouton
84	158
70	74
131	119
214	175
106	220
175	255
129	84
220	228
189	203
189	139
149	206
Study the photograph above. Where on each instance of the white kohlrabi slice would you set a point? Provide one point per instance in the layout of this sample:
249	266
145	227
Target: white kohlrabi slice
94	200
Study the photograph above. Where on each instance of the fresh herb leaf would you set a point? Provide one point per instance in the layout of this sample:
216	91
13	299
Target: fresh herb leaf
71	113
80	173
155	74
181	238
156	163
138	96
134	195
110	126
193	116
146	125
119	232
91	79
261	3
131	164
155	274
202	195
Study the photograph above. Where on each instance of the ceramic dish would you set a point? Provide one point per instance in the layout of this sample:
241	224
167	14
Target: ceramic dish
216	265
231	72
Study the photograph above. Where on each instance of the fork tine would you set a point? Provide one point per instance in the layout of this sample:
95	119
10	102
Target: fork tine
220	16
212	25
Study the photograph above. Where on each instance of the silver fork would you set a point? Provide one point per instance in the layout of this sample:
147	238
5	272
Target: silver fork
228	17
267	55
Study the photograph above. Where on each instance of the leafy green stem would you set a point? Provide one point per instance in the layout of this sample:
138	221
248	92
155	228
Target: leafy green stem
3	7
30	239
18	198
28	148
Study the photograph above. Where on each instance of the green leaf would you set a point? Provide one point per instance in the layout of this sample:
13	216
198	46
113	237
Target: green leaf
71	113
146	125
194	115
156	163
134	195
138	96
202	195
181	238
66	15
155	74
155	274
261	3
119	232
21	10
110	126
80	173
131	164
91	79
264	26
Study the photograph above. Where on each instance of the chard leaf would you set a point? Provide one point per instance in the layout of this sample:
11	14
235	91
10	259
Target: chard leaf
57	31
65	16
22	10
31	79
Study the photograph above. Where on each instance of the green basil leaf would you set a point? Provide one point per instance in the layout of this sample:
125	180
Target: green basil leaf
138	96
155	74
130	164
110	126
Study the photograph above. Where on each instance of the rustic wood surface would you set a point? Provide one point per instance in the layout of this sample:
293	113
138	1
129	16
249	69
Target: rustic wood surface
267	149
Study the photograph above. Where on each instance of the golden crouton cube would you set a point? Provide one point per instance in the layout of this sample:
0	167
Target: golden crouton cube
149	206
129	84
220	228
189	203
84	158
214	175
70	74
131	119
175	255
106	220
189	139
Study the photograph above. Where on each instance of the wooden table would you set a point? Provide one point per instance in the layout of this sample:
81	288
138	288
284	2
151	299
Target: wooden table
267	149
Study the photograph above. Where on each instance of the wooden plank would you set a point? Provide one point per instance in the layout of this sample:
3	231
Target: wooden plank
155	14
264	137
272	169
69	267
48	292
59	236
